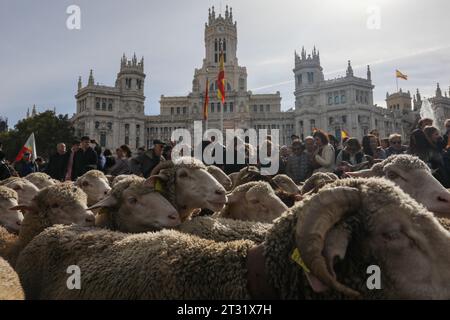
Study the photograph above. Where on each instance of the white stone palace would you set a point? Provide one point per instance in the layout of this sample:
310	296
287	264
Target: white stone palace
115	115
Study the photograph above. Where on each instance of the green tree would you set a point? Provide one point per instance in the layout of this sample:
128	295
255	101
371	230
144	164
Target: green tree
49	130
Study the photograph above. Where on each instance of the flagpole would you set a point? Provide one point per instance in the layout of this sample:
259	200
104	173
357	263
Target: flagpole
221	116
396	80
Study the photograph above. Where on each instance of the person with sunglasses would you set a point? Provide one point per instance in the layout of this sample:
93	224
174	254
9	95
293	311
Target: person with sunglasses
395	145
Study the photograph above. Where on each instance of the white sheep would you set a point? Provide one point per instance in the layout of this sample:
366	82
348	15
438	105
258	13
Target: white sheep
95	184
415	178
11	220
286	184
220	176
253	201
320	249
133	206
40	179
24	188
188	186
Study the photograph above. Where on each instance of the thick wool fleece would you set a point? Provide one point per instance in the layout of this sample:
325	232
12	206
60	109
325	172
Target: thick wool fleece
222	229
10	288
8	193
39	179
160	265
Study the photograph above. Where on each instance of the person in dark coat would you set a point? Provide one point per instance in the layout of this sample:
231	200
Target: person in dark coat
26	165
84	160
143	164
57	164
5	171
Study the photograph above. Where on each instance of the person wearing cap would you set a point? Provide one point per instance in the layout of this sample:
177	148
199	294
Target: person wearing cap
144	163
26	165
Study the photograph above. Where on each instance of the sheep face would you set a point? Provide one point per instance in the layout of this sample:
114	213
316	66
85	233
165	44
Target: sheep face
96	188
11	220
285	183
254	201
413	255
220	176
354	224
416	180
25	190
196	188
146	212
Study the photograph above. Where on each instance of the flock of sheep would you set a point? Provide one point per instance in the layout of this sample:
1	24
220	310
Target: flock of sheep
192	232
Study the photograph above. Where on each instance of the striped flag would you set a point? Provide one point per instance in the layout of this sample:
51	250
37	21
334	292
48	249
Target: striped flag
221	80
400	75
344	134
30	146
206	102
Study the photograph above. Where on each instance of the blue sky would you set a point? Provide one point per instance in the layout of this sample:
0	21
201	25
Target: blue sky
40	59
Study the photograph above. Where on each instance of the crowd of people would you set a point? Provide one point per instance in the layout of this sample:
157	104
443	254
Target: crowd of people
319	152
322	152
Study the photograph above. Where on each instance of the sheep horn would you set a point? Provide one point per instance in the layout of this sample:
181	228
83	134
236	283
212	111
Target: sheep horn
323	211
160	166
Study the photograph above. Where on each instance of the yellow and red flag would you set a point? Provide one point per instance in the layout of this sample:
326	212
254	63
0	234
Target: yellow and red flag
221	80
206	102
344	134
30	147
400	75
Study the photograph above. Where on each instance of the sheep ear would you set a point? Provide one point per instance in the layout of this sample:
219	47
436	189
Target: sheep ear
23	208
151	181
109	201
367	173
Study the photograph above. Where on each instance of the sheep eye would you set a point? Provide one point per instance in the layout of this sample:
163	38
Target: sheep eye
254	201
55	205
392	175
85	184
183	174
132	200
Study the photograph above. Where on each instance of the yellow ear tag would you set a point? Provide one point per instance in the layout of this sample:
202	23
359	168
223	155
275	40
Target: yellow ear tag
295	256
158	186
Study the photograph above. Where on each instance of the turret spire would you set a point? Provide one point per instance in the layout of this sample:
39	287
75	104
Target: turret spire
91	79
349	69
369	73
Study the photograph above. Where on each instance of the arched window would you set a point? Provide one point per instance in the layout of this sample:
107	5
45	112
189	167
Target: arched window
228	86
97	124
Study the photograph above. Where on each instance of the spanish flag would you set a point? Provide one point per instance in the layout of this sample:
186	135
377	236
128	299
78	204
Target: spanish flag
344	134
206	102
400	75
221	80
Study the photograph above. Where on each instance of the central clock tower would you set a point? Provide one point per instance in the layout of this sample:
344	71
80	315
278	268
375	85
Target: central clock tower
220	34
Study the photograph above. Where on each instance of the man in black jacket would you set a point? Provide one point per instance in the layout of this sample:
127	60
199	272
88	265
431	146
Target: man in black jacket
84	160
144	163
5	171
57	164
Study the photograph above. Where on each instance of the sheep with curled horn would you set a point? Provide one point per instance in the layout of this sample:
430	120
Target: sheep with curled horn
320	249
415	178
188	186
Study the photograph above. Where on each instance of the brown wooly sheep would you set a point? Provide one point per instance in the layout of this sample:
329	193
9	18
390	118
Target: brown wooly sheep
220	176
10	287
335	235
58	204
